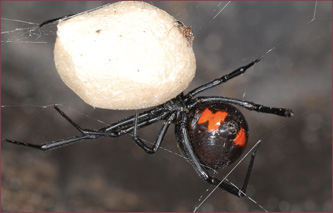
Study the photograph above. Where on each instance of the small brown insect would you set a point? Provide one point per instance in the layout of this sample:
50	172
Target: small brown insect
187	31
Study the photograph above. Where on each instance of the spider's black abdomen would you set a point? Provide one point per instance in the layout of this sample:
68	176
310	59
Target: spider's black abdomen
218	133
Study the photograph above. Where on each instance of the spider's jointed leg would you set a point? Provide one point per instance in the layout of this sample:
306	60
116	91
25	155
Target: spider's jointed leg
246	105
160	136
87	134
222	79
53	144
120	126
84	132
231	188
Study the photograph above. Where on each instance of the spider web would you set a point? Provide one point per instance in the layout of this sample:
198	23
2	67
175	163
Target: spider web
292	170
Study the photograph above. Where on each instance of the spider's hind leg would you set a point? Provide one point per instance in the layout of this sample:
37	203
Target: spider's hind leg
232	188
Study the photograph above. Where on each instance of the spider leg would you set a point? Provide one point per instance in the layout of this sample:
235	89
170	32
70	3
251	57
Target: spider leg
148	116
246	105
69	120
119	128
223	79
160	137
235	190
202	172
92	133
53	144
140	124
87	134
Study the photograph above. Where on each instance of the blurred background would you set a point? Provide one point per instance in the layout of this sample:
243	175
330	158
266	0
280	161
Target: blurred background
293	167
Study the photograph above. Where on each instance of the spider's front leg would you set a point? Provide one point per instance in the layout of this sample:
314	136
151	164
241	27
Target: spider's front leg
222	79
116	129
85	135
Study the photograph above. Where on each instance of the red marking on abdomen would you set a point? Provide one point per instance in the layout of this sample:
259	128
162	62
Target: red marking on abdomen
214	119
240	139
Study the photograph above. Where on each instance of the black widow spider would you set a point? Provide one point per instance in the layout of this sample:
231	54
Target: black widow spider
211	133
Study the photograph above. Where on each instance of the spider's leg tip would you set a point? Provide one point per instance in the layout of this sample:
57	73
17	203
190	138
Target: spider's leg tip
13	142
289	113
